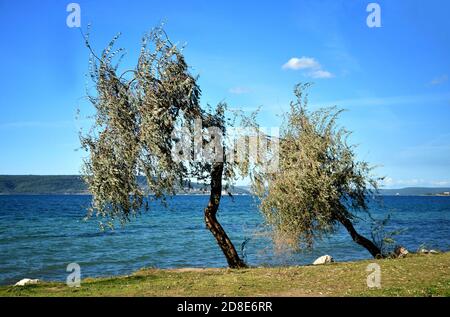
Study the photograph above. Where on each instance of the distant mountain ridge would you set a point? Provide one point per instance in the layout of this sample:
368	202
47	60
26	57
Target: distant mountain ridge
37	184
71	185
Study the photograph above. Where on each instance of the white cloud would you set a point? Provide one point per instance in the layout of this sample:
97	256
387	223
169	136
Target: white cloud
439	80
239	90
321	74
314	68
301	63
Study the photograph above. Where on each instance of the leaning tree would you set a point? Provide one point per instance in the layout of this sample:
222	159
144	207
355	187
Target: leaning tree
149	124
319	183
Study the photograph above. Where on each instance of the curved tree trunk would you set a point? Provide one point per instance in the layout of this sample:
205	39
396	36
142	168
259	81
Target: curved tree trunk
228	249
361	240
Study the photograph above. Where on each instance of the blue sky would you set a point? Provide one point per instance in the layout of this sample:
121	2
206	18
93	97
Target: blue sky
392	80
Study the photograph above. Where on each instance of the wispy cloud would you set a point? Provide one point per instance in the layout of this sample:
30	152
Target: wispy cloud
396	183
296	63
321	74
388	101
37	124
441	183
240	90
439	80
310	65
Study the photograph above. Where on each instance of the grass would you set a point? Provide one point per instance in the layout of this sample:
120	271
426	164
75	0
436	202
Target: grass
415	275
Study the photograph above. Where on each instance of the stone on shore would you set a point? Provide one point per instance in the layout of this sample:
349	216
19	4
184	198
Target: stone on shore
425	251
324	259
400	252
26	281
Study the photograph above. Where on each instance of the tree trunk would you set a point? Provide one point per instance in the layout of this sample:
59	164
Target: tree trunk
228	249
364	242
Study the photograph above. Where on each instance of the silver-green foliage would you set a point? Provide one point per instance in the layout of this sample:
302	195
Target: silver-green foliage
136	114
319	180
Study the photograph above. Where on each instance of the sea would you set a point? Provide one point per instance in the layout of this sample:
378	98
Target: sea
40	235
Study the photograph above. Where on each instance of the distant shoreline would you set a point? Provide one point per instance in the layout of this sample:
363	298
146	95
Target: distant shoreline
192	194
74	185
89	194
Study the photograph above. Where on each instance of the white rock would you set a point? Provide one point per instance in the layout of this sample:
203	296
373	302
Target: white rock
324	259
425	251
401	252
26	281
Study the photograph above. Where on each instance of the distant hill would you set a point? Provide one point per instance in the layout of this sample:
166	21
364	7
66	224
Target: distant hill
69	185
35	184
73	184
415	191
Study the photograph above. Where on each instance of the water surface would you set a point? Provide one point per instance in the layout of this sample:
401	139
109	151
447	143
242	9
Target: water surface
41	235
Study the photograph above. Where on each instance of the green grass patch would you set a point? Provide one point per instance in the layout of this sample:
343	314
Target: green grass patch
415	275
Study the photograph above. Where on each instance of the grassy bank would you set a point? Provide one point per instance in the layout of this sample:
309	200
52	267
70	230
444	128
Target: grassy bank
416	275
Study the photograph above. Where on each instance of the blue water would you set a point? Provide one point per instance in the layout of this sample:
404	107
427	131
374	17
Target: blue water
41	235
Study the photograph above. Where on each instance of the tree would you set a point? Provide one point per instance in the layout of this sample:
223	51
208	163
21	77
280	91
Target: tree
145	119
319	183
